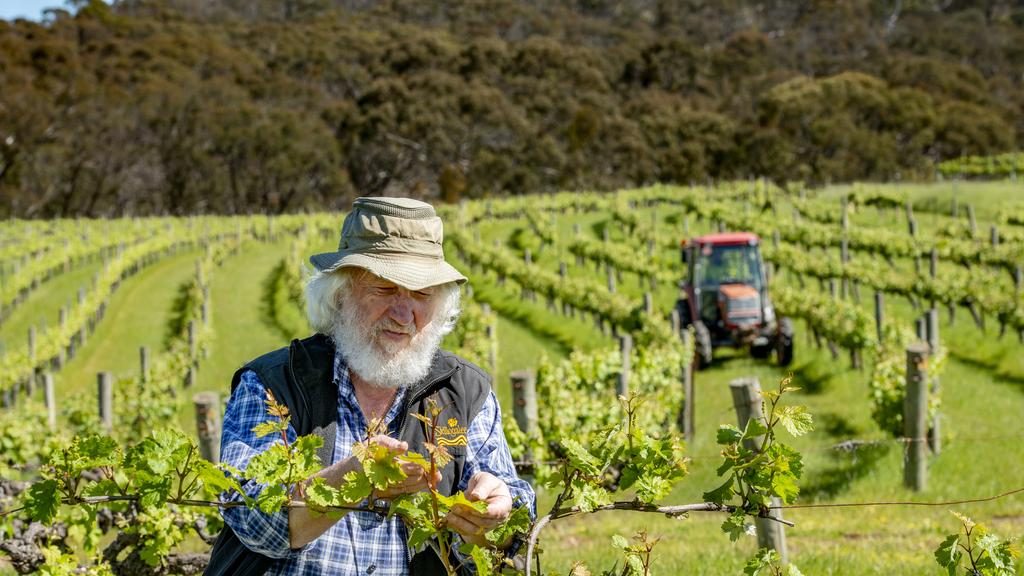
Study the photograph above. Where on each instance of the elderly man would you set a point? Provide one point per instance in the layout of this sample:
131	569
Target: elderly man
380	305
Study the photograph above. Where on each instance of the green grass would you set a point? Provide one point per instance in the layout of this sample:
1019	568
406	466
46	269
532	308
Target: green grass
42	307
242	329
136	316
519	349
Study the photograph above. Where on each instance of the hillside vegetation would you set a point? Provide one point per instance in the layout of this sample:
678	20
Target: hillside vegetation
231	106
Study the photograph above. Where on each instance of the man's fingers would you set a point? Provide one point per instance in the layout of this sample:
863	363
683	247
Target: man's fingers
482	485
389	442
464	525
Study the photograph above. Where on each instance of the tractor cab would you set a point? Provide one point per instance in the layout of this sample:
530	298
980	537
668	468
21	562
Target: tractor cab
725	297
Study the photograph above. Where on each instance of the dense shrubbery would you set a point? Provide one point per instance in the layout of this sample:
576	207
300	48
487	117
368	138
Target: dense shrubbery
178	106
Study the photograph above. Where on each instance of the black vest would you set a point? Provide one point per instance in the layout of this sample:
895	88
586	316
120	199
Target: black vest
301	377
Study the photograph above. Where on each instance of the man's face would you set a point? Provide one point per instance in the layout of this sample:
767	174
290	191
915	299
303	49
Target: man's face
393	315
388	334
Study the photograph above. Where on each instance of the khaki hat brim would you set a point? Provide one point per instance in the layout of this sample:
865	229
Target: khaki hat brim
408	271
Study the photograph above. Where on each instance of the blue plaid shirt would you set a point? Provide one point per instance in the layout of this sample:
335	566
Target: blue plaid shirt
361	542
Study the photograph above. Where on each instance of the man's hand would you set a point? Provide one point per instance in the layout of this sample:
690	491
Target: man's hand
472	525
416	478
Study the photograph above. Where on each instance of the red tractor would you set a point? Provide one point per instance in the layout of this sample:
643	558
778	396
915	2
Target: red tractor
725	298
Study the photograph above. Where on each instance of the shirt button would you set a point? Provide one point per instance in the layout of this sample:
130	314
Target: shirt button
372	568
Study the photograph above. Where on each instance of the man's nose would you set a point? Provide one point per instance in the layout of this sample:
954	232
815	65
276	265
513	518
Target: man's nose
401	310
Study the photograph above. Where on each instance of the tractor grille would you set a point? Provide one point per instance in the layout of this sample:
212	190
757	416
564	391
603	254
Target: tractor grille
744	311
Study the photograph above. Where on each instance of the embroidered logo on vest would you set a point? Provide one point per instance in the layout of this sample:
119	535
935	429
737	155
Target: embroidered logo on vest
452	434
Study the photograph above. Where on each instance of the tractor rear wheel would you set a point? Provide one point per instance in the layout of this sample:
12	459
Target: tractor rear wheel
703	350
784	343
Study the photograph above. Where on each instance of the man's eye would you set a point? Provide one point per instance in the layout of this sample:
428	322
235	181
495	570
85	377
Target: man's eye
383	291
421	294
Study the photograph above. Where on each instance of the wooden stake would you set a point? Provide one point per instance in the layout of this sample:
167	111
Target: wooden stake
626	350
879	315
688	392
105	395
935	386
524	400
143	364
746	399
915	416
50	399
207	405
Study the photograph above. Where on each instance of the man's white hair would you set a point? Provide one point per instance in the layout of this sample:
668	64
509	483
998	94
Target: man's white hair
324	291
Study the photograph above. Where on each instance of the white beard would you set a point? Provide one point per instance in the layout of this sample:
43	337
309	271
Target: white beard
380	363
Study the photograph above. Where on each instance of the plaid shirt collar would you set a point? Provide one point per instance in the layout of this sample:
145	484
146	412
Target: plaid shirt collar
347	395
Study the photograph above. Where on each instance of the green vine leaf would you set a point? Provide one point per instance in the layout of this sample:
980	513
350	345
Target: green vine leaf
272	498
728	434
948	554
735	525
355	488
518	522
796	420
42	501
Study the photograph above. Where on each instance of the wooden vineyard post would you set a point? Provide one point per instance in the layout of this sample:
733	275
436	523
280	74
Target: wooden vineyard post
611	279
915	417
524	404
648	304
1018	285
563	273
626	349
143	364
83	332
524	293
746	399
971	221
933	267
62	320
993	236
879	315
688	392
190	374
844	257
32	345
934	430
491	331
105	395
204	306
50	399
207	406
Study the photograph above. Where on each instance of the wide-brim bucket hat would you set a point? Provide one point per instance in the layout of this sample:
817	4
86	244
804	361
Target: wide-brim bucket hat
397	239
